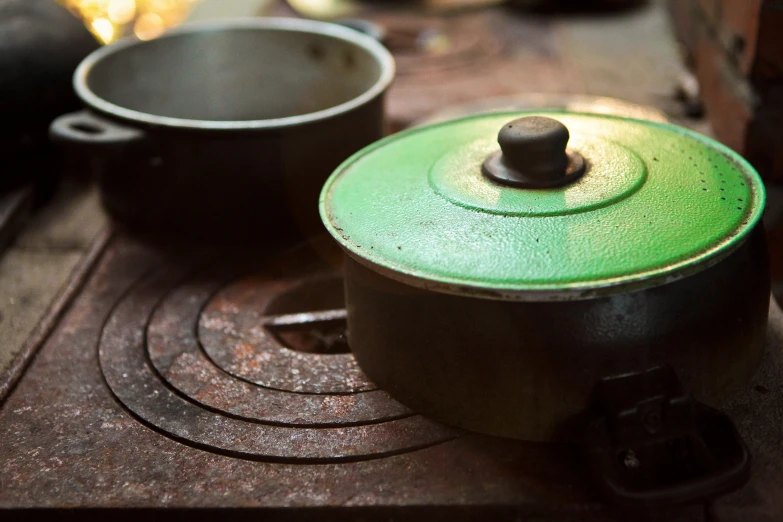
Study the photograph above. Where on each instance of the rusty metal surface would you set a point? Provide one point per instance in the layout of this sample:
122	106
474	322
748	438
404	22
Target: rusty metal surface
468	56
9	378
123	359
474	55
175	353
66	441
15	208
234	334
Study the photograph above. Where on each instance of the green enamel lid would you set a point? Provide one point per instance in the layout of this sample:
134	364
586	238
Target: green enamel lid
656	202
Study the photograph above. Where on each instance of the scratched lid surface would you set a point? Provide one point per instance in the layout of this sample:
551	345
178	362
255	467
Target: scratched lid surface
653	202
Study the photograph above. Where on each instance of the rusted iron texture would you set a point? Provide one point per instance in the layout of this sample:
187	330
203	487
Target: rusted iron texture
469	57
473	55
287	434
68	441
175	353
15	207
76	430
9	378
234	333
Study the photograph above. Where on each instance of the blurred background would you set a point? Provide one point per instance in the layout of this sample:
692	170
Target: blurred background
110	20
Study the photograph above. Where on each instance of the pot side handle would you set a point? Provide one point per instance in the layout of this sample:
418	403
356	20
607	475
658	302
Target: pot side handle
654	446
85	128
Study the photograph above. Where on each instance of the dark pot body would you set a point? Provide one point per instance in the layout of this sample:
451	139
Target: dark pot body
260	184
527	370
227	131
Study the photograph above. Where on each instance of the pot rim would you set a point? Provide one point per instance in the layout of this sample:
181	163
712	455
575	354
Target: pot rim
376	49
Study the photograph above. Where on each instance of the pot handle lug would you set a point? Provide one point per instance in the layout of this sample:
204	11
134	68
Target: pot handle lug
85	128
652	445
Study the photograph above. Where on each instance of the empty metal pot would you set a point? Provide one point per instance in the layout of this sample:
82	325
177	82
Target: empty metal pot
227	130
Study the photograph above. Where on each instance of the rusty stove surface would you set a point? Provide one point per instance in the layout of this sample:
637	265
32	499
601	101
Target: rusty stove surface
197	381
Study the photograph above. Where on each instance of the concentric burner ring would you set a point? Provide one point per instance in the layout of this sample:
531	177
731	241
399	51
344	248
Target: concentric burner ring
152	362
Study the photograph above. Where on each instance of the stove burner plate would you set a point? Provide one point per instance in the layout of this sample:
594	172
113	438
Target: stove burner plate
176	354
239	340
293	406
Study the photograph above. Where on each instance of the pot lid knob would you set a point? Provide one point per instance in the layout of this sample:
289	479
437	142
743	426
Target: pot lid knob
533	154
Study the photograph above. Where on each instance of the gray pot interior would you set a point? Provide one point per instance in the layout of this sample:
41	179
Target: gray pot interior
237	74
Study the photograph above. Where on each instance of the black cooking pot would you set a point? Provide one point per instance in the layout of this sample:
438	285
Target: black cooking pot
227	130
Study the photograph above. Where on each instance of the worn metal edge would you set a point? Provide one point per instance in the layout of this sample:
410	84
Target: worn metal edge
54	313
15	215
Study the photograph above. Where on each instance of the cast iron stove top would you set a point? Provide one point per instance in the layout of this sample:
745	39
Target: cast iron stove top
200	381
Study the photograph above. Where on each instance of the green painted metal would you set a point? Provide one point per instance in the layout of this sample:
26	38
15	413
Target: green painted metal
658	202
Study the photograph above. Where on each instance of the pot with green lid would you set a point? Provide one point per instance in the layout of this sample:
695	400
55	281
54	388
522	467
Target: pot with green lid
500	266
